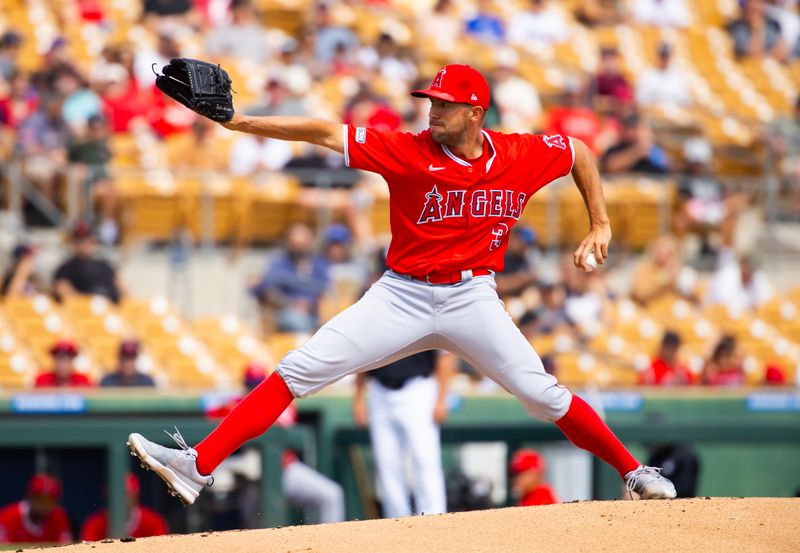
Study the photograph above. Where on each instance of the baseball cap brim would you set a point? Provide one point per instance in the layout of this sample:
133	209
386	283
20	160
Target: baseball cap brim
429	93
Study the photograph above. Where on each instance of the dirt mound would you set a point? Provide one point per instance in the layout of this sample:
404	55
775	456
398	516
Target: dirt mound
753	524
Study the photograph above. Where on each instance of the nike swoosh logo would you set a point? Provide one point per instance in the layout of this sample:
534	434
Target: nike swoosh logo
432	168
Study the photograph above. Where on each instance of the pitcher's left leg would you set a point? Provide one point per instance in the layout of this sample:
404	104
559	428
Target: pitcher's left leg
477	327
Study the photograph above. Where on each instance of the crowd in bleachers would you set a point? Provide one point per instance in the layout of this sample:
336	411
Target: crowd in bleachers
676	91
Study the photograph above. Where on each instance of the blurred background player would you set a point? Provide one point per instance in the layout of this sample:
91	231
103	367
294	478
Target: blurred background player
528	485
303	486
38	518
405	405
142	521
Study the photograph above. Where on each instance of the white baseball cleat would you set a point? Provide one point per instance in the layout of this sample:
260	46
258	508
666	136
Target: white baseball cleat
647	483
176	467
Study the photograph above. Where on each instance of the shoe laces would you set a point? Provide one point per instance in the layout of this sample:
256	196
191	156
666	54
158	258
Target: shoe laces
181	441
178	439
641	473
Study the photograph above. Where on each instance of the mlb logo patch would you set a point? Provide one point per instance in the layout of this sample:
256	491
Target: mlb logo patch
474	98
361	135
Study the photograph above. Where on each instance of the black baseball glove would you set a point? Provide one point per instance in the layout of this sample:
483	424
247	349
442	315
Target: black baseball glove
200	86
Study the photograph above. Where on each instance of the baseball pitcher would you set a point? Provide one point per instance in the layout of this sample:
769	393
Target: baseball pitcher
456	190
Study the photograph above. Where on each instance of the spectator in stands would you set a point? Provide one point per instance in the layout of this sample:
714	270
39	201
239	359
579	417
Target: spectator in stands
661	273
587	302
124	103
756	34
516	99
42	143
199	149
90	154
21	278
539	24
57	59
63	374
527	485
739	283
293	69
142	522
278	99
368	109
144	56
386	60
701	204
10	44
346	274
294	282
38	518
18	101
441	27
594	13
665	368
485	25
244	38
253	154
785	13
609	87
784	135
80	102
127	374
84	272
330	36
725	366
551	316
636	151
573	117
662	13
664	84
166	8
519	271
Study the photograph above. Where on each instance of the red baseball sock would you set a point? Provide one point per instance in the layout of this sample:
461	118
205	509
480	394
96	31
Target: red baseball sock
588	431
249	419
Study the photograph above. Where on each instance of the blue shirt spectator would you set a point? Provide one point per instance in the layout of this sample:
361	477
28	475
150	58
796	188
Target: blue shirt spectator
294	283
485	25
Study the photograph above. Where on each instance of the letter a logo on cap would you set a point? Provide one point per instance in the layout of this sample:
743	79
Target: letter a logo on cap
437	82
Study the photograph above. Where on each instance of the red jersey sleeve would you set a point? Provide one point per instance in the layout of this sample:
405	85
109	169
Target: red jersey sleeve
549	157
382	152
57	527
94	529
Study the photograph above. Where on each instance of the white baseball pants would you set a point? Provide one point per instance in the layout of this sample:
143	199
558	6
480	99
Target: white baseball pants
399	316
306	488
400	423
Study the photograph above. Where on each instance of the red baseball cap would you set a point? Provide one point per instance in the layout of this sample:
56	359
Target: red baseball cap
526	459
41	484
64	346
458	83
132	485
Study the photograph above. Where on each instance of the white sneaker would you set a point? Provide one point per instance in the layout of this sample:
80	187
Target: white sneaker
176	467
648	483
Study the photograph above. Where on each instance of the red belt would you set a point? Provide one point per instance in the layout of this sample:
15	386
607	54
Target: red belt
451	278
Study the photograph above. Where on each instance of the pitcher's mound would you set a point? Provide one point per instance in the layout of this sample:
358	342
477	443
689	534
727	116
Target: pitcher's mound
688	525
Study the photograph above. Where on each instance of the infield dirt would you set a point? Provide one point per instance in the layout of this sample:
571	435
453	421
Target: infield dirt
688	525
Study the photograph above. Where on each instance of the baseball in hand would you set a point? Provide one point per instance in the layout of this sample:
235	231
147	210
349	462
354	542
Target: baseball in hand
591	263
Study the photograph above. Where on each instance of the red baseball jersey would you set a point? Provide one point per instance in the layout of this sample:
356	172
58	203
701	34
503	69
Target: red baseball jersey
50	380
144	522
449	214
16	526
540	495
